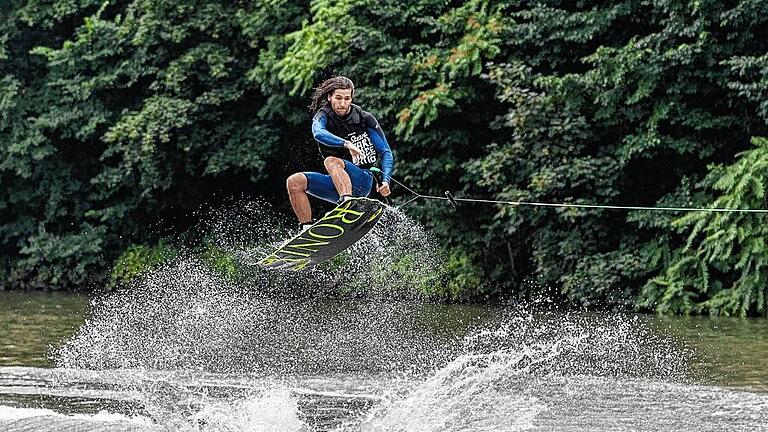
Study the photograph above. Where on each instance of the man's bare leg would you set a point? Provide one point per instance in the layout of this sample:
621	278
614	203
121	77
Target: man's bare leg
297	193
341	181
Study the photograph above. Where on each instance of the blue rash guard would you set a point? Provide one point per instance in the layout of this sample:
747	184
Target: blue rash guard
363	130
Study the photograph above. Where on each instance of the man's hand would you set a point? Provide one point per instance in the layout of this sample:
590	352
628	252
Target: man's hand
354	151
384	189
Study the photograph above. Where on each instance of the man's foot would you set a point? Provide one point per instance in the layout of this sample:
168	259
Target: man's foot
303	227
344	198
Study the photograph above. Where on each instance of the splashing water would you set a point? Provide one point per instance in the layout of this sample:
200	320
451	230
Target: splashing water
187	349
489	370
494	384
238	361
277	411
397	259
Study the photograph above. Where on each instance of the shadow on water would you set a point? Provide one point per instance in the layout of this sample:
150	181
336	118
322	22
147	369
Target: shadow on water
186	349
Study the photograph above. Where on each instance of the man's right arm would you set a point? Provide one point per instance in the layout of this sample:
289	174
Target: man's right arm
321	133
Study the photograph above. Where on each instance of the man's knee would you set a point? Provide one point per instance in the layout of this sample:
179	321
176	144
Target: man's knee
333	163
296	183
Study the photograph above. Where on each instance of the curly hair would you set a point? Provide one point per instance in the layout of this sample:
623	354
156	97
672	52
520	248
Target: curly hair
327	87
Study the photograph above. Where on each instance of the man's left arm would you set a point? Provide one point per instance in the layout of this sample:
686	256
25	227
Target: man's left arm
381	145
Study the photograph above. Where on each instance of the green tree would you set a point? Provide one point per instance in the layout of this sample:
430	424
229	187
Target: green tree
121	115
118	115
622	103
721	270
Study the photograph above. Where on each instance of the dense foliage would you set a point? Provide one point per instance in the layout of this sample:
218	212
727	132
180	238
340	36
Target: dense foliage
118	119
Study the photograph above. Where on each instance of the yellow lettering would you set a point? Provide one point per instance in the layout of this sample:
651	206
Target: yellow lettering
270	259
342	212
311	246
321	236
378	212
287	251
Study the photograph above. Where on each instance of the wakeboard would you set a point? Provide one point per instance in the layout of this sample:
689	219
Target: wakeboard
339	229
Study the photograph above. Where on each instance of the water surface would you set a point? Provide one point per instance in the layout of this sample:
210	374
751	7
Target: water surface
206	356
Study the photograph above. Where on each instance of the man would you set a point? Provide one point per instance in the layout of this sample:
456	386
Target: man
351	142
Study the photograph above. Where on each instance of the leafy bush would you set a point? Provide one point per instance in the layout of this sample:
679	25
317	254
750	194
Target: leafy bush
55	261
220	261
138	260
721	269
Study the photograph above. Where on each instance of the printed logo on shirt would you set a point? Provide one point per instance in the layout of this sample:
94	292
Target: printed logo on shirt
364	143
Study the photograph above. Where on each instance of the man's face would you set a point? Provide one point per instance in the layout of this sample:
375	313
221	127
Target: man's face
340	100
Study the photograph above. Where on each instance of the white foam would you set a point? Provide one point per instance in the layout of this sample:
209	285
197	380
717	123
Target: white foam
275	410
494	385
470	393
15	413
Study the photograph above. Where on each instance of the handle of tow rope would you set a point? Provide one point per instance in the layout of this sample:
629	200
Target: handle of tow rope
376	171
450	198
447	193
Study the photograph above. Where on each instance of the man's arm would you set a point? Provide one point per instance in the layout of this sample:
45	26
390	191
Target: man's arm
382	147
321	134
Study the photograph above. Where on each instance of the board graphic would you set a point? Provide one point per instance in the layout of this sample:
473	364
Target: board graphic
339	229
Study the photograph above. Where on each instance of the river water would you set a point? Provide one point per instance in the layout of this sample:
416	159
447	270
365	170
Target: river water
228	359
187	349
